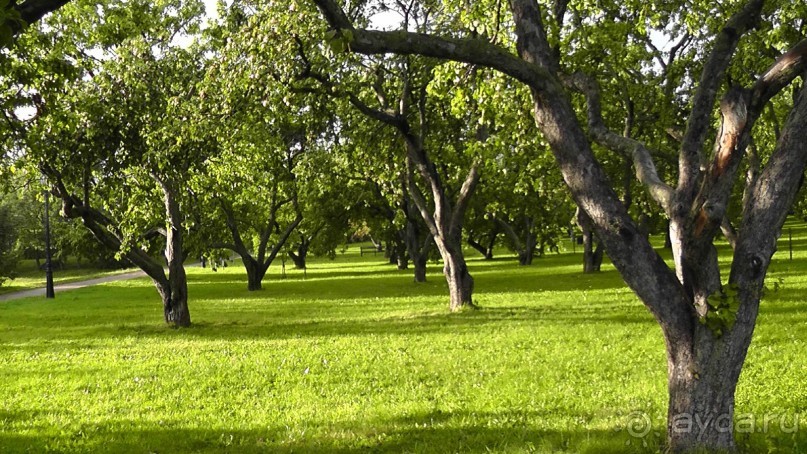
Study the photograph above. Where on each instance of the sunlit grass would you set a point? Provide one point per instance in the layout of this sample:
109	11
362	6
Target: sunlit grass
354	356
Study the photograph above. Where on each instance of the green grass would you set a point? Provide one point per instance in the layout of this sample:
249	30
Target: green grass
355	357
30	277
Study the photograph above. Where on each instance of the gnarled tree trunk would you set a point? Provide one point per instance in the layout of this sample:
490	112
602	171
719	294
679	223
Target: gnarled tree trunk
175	293
460	282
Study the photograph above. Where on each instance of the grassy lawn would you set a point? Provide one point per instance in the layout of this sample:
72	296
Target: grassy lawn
355	357
30	277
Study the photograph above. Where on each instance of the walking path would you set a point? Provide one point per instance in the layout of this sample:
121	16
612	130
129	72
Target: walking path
72	285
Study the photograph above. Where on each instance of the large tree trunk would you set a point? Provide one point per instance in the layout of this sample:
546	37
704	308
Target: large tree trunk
701	383
255	273
460	283
175	293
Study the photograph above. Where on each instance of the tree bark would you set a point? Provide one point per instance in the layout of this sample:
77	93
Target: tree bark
702	378
460	282
175	294
255	273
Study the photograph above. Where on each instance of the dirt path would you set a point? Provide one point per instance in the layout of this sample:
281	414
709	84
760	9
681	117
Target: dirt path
72	285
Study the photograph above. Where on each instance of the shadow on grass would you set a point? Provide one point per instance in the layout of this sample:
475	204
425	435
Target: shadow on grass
428	432
433	432
325	286
238	327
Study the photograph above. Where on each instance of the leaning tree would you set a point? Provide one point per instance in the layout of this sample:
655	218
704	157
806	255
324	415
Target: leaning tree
113	140
707	323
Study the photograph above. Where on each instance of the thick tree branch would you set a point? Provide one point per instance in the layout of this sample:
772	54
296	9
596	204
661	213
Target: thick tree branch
422	206
33	10
690	158
238	245
533	45
646	171
284	237
771	197
786	68
464	197
474	51
739	111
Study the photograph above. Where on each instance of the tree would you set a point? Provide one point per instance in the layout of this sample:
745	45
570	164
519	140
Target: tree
376	171
264	133
707	325
413	121
115	145
254	189
393	93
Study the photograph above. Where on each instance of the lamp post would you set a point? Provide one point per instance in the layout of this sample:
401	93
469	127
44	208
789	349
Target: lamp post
49	293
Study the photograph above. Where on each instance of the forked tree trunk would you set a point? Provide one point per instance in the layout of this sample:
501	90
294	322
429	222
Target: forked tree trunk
299	257
255	273
173	288
174	295
460	284
256	265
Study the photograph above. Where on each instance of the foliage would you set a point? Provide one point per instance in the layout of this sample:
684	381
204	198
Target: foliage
722	310
9	253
